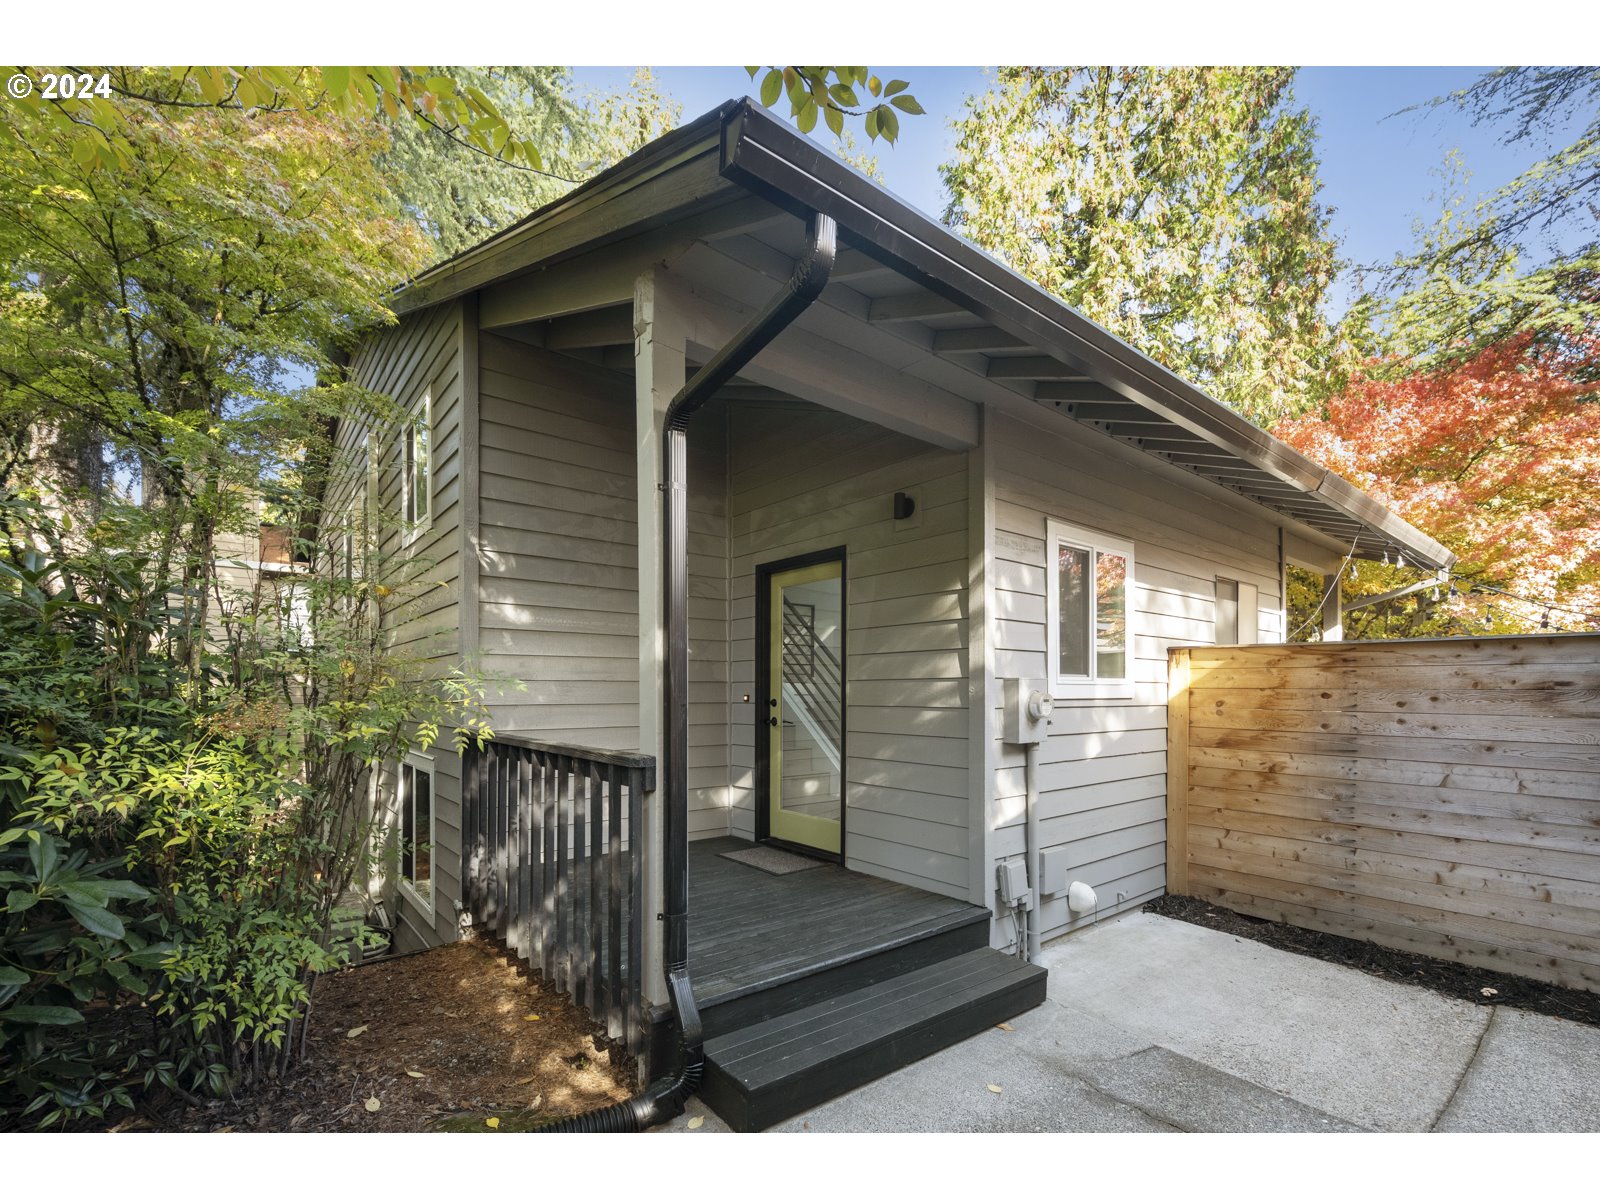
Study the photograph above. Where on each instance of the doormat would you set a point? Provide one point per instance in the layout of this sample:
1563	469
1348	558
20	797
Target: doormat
772	861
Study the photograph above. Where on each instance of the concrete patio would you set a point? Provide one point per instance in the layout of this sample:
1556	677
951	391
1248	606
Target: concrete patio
1157	1025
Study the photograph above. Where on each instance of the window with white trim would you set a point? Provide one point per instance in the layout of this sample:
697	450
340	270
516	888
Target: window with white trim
1089	632
416	470
350	552
414	782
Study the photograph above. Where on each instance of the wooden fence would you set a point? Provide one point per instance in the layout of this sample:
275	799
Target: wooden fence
1440	796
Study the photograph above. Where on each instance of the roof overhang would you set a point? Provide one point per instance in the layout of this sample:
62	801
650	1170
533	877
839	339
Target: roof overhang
1053	354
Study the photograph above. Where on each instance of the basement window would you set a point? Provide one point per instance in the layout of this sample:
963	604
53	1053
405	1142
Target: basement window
1089	633
415	784
416	471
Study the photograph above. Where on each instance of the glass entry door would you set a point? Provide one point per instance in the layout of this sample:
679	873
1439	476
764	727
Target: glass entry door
805	704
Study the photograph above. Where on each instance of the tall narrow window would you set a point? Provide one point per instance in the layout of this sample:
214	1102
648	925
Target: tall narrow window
347	554
1227	616
416	469
1089	635
416	825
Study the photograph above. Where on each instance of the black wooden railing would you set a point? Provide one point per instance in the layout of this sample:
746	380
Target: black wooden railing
552	839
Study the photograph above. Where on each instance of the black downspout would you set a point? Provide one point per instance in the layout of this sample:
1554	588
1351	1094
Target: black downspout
666	1098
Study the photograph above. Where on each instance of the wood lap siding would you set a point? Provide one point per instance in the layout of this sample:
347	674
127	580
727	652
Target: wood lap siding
1103	768
423	352
1440	797
804	479
558	564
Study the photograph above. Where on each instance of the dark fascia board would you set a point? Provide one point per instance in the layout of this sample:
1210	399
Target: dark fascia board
753	149
792	171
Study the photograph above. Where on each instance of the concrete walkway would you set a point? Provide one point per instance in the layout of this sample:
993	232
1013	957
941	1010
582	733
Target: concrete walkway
1154	1024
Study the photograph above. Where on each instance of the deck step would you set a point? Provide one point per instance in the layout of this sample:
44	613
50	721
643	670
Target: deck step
786	987
766	1072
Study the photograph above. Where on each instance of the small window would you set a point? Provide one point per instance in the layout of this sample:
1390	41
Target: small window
1089	636
351	561
347	558
416	826
1238	611
294	611
1227	616
416	470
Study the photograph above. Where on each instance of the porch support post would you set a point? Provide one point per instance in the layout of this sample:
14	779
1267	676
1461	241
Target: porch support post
983	730
659	373
1332	609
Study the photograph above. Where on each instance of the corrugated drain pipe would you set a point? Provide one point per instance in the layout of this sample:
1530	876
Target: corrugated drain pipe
665	1098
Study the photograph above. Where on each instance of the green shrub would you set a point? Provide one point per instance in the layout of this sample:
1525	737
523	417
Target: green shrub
215	833
67	954
214	789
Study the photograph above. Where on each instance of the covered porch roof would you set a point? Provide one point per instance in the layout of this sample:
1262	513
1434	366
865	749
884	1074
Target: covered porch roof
910	305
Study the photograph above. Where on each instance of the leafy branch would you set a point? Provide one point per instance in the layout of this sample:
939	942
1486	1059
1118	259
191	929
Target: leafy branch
831	92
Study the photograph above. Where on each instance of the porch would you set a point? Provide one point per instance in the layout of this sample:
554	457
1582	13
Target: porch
758	941
567	605
809	983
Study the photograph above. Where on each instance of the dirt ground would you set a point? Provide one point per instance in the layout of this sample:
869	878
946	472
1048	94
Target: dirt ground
1476	984
442	1037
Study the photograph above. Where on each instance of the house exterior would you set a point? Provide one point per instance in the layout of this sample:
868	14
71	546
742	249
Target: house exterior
936	479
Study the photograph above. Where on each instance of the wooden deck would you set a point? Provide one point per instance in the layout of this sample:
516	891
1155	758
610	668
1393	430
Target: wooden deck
751	931
816	982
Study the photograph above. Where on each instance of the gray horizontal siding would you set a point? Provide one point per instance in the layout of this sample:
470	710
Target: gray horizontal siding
558	578
804	479
421	353
1103	767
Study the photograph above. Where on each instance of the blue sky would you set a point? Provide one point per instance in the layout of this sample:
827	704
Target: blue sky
1380	172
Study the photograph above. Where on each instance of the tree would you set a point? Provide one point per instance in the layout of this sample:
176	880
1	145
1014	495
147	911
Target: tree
1524	258
1497	456
163	303
460	197
84	108
849	151
1178	207
169	308
831	92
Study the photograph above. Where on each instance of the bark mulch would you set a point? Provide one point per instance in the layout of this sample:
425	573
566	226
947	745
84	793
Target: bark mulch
440	1039
1462	982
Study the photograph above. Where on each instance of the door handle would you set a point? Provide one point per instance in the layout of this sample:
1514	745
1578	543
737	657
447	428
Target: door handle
773	721
772	703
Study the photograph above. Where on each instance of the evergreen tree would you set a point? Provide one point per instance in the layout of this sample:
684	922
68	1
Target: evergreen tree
1176	206
461	196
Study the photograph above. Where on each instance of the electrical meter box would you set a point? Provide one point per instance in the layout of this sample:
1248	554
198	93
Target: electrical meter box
1012	876
1054	865
1027	707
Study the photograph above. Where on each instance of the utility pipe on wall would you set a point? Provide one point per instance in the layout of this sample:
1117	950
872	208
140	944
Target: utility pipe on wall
1035	883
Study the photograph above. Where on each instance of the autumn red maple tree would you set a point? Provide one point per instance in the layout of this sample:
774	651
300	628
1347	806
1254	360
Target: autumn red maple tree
1496	456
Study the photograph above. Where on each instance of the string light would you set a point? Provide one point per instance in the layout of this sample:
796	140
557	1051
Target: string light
1490	589
1548	610
1332	587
